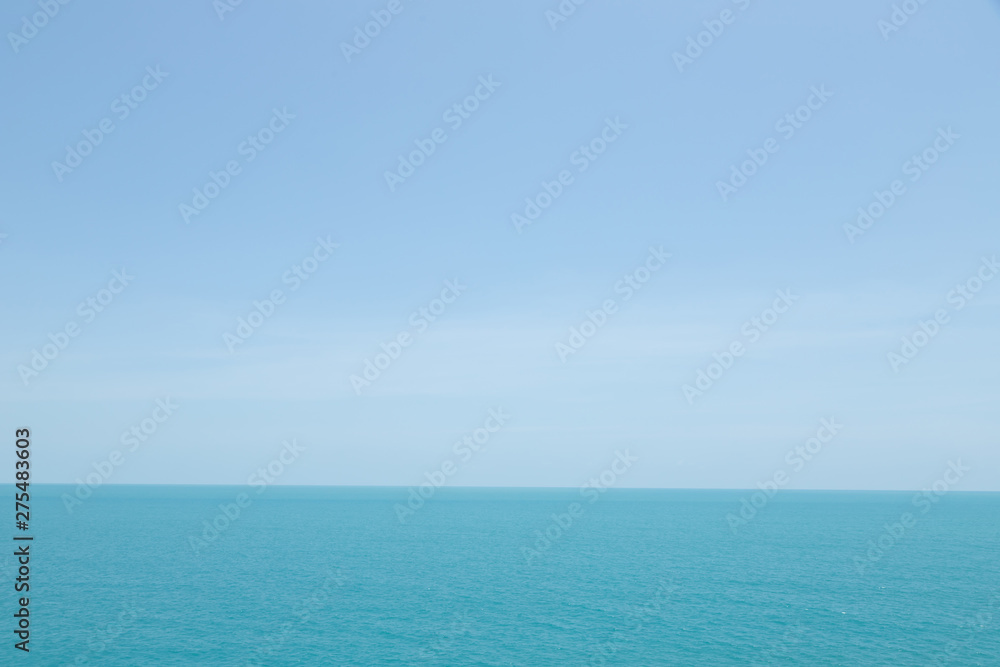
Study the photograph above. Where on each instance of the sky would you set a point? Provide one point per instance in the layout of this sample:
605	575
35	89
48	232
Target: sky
267	147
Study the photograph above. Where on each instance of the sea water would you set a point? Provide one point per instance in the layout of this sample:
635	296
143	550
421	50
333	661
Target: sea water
197	575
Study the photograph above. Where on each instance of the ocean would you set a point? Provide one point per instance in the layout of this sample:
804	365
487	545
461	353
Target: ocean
189	575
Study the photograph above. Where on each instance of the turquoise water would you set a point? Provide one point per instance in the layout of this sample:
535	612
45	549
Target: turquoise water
321	576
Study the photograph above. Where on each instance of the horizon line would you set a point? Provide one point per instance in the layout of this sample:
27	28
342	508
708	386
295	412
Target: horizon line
554	488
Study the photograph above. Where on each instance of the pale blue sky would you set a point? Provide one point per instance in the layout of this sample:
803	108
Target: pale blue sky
323	175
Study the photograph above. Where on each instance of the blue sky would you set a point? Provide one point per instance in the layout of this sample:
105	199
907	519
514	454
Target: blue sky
555	90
